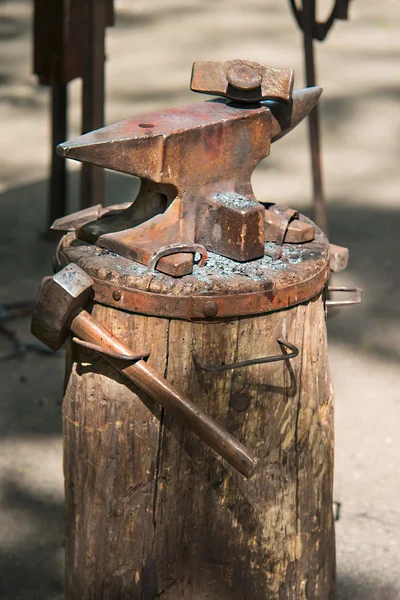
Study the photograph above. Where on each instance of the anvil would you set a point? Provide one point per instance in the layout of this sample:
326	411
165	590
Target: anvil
195	164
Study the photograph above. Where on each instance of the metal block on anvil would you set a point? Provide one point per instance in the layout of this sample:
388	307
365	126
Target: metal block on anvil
195	164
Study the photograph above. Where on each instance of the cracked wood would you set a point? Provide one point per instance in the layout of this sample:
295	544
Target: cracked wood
153	513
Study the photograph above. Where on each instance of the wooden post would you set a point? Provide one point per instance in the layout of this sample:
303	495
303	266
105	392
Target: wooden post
153	513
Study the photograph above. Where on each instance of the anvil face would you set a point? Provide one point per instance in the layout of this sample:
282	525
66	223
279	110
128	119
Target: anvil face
188	147
195	163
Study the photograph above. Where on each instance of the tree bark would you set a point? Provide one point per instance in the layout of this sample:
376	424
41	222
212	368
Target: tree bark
152	512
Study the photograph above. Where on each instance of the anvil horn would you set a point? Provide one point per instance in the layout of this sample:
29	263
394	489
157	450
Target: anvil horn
283	121
152	147
138	145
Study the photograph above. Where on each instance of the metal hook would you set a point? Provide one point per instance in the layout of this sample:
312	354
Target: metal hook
177	249
248	363
356	300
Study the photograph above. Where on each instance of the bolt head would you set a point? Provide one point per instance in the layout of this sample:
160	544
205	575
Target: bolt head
116	295
239	401
210	309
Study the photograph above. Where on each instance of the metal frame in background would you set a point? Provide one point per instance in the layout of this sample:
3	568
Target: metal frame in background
69	42
315	30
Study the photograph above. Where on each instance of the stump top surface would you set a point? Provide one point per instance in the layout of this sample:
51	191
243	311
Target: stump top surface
298	276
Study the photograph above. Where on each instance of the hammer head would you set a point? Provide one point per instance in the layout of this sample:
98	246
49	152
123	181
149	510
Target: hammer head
59	299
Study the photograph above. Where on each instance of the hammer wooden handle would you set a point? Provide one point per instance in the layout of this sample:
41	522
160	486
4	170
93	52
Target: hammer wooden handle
158	388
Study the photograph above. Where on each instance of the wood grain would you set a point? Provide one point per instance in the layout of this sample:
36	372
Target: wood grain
153	513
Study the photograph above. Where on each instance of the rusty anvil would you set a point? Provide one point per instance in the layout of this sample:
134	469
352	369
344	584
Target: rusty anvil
195	164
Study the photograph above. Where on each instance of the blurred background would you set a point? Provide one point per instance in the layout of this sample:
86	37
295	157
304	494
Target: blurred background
150	52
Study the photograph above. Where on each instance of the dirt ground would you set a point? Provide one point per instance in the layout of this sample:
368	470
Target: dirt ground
150	52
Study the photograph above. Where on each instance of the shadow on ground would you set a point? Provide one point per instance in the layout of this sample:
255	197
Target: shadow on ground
33	567
362	588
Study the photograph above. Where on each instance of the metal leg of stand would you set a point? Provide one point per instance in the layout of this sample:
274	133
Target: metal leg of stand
92	177
58	177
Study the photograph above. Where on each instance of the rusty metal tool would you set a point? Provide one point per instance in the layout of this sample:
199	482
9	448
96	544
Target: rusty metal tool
195	164
338	258
279	225
357	291
60	310
242	80
91	213
253	361
314	30
282	224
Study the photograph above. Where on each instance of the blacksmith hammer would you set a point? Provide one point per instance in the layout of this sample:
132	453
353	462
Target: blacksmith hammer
60	310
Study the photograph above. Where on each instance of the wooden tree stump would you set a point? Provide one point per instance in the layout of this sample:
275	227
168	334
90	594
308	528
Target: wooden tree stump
152	512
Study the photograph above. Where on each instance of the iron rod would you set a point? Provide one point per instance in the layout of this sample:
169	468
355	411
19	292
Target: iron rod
92	177
57	203
319	211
